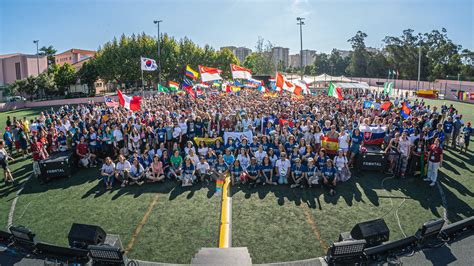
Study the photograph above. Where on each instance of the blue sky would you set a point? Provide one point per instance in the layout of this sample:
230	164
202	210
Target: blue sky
87	24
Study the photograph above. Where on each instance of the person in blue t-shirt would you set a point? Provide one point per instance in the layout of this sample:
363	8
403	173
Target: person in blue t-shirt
312	175
235	172
298	173
211	158
218	148
448	130
329	176
356	143
188	176
229	158
221	167
251	172
467	131
266	172
322	159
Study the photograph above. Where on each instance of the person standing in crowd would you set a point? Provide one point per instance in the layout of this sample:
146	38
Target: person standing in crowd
404	151
456	130
8	139
4	157
435	161
467	132
343	174
448	130
108	173
418	155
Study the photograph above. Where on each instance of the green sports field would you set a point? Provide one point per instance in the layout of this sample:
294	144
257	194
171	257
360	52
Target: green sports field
165	223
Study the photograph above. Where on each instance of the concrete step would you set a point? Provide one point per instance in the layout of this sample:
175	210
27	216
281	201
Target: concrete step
222	256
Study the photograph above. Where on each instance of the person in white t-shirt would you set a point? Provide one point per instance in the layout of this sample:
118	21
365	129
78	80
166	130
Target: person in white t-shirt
343	174
203	169
122	170
344	140
283	169
118	137
108	172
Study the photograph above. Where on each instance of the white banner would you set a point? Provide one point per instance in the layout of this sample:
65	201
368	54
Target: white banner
238	136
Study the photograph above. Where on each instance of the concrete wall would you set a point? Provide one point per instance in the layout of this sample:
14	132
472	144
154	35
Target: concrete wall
28	67
18	105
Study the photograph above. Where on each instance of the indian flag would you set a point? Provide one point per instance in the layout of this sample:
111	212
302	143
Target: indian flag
174	86
334	91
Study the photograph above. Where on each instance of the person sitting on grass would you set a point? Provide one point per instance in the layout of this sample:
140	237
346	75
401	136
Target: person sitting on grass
266	172
188	176
176	165
157	174
86	159
108	172
122	170
228	157
251	174
329	177
236	171
137	173
298	173
221	168
203	169
312	173
4	157
282	167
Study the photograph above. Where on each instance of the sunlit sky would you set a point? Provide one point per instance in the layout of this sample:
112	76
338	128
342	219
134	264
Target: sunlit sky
87	24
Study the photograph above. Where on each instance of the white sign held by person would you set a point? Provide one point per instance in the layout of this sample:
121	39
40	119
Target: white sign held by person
238	136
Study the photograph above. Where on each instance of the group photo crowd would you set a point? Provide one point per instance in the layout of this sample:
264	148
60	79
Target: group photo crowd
255	139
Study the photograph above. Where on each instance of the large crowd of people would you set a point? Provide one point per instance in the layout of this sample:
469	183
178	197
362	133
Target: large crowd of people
256	140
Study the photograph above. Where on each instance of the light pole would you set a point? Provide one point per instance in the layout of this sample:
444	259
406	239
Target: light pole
37	60
157	22
419	68
301	23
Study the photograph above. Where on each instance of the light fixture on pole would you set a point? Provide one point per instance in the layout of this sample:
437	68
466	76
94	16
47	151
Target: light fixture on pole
157	22
37	60
301	23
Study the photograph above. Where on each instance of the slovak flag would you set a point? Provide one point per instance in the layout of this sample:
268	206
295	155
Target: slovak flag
283	84
148	64
130	103
240	72
209	73
373	135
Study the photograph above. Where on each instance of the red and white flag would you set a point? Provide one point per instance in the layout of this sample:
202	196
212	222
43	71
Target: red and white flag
283	84
209	73
240	72
130	103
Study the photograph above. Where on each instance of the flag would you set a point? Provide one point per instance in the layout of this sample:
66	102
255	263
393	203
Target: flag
240	72
199	92
406	110
148	64
109	102
187	83
330	144
162	88
130	103
368	104
209	73
334	91
190	91
191	73
262	88
386	105
174	86
372	134
282	83
387	88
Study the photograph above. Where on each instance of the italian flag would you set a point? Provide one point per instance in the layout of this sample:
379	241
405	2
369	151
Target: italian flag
334	91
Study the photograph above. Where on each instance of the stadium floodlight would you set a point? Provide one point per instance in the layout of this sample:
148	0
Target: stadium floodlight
346	251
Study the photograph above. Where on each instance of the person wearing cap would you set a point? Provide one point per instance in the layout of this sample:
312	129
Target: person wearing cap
467	132
283	167
298	173
252	172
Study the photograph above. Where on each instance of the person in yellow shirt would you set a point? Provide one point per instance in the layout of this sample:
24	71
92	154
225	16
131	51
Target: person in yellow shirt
26	127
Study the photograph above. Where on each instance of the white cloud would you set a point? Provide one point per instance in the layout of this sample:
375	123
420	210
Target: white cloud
301	8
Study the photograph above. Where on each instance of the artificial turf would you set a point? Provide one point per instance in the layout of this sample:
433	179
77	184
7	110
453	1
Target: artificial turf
275	223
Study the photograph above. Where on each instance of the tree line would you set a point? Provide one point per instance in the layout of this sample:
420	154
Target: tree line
118	61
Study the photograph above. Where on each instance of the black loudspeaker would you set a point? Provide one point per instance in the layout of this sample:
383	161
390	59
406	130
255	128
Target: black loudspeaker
106	255
5	237
452	230
83	235
380	252
375	232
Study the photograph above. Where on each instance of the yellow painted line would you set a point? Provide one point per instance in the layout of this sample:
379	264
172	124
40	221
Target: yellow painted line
224	231
142	223
314	228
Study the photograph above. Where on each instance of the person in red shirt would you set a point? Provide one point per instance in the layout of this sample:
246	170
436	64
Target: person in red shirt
435	160
39	153
85	157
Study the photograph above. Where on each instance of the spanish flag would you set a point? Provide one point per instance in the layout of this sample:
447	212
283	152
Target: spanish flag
330	144
191	73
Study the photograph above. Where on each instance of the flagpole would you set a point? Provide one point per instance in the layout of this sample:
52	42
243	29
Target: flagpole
143	86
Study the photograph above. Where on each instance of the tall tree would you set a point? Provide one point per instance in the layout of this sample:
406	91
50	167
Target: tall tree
358	64
88	74
65	76
377	65
321	64
49	51
260	61
46	84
